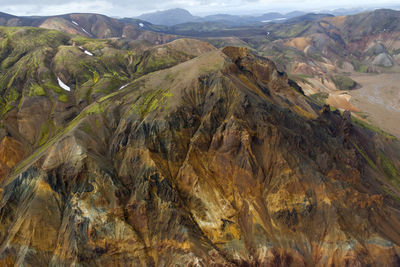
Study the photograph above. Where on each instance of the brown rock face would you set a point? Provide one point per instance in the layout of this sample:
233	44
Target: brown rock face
218	161
11	153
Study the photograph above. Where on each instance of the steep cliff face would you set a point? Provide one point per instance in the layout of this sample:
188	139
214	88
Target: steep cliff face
217	161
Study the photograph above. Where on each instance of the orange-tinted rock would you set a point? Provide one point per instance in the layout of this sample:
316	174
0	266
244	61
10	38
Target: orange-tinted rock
11	153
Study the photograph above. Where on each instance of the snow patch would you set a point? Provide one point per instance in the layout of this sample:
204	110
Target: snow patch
141	25
123	86
88	53
63	85
266	21
76	23
85	51
85	31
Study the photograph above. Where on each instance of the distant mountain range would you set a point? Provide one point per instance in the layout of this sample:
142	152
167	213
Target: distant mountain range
176	16
172	17
158	27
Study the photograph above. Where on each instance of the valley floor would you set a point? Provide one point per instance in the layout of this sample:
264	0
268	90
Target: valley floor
379	99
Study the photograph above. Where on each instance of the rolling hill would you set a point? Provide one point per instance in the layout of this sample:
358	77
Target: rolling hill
89	25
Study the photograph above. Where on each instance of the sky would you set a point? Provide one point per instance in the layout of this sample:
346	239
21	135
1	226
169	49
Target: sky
131	8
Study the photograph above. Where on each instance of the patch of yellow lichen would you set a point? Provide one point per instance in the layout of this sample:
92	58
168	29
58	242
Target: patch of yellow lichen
283	199
304	113
166	244
247	82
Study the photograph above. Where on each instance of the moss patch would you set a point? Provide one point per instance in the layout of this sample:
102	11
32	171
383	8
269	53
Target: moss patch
151	101
95	108
63	98
343	82
371	127
390	169
7	103
319	98
36	90
44	135
365	156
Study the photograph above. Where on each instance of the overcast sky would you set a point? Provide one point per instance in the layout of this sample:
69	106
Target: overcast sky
130	8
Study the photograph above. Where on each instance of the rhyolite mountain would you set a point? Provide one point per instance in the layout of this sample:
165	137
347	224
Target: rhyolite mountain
89	25
34	61
330	58
182	154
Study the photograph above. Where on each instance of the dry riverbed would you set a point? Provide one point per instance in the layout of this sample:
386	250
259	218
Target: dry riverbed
379	99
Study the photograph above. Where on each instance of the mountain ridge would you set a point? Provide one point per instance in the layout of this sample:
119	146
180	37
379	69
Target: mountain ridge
89	25
169	17
212	157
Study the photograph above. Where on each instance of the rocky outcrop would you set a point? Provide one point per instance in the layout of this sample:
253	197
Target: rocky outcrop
377	49
383	59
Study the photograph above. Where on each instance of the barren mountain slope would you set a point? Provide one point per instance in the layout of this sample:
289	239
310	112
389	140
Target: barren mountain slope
48	77
220	160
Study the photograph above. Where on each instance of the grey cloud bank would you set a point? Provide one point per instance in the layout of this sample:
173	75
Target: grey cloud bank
131	8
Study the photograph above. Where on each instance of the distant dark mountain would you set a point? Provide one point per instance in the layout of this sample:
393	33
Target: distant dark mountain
4	18
223	25
275	17
295	14
226	17
13	21
5	15
271	16
169	17
345	11
178	16
309	17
